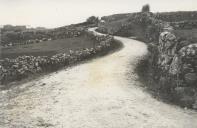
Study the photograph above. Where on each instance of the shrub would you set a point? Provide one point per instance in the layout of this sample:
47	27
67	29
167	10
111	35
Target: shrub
146	8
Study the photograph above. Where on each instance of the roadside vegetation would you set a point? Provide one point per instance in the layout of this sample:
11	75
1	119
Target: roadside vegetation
170	68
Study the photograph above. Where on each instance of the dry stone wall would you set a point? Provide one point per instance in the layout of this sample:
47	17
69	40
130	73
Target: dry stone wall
184	24
29	37
172	62
25	66
176	68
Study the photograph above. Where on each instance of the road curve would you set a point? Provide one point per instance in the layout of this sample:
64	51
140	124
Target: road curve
102	93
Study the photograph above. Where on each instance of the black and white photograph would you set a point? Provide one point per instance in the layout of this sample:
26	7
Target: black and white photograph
98	64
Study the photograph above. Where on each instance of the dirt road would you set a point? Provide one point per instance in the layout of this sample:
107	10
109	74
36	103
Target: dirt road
102	93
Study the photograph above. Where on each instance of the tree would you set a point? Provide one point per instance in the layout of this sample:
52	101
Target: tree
146	8
92	20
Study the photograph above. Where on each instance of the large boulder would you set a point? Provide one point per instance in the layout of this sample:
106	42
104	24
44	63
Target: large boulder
167	43
175	66
167	51
189	51
188	55
182	44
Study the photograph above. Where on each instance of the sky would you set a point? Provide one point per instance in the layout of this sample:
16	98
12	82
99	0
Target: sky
56	13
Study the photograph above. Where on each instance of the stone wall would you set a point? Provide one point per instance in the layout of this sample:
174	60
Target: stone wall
175	66
184	24
176	16
25	66
172	63
29	37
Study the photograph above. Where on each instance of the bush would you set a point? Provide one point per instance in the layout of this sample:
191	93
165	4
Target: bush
146	8
92	20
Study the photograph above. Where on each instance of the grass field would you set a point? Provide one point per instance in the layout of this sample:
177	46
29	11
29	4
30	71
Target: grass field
48	48
187	34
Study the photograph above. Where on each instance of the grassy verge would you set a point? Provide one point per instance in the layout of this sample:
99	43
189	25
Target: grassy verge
187	34
146	76
162	92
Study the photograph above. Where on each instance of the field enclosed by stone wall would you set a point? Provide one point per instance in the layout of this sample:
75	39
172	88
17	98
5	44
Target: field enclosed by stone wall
25	66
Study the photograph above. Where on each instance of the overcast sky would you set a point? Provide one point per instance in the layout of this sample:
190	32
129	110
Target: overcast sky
54	13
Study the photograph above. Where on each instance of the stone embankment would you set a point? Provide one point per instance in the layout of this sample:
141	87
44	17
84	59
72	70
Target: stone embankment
175	65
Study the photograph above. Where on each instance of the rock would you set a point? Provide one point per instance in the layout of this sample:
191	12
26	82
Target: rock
182	44
189	51
175	66
167	50
186	68
165	60
170	36
43	84
191	78
167	41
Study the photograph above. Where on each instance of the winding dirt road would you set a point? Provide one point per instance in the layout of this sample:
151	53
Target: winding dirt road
102	93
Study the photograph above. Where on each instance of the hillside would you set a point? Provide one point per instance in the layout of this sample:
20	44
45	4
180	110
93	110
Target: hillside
130	24
166	16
